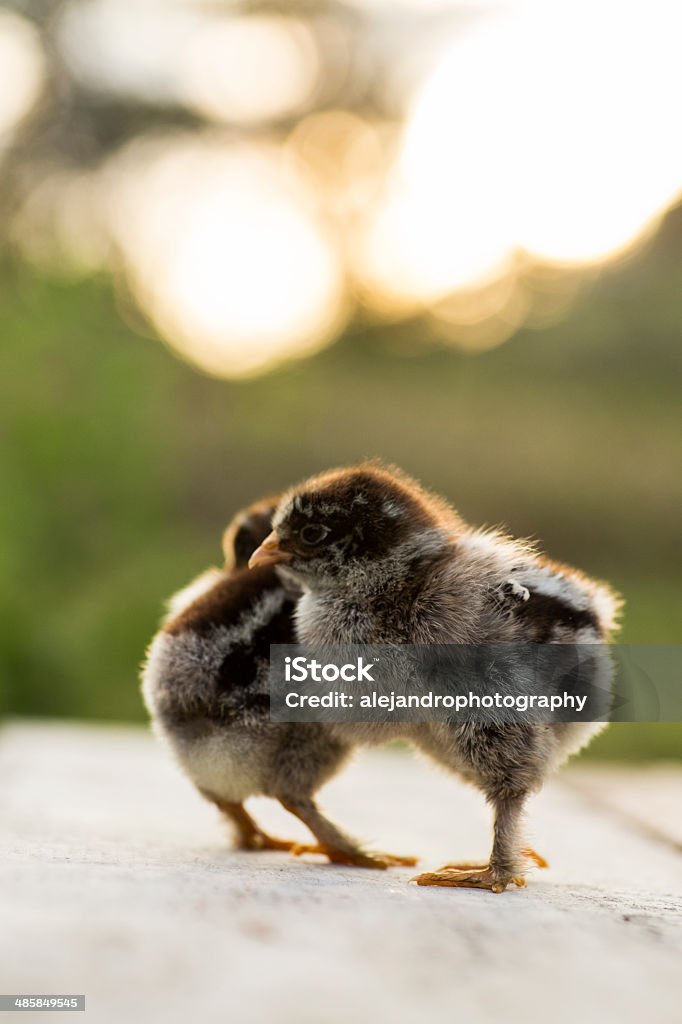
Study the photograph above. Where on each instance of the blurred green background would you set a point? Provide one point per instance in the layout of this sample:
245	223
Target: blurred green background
121	463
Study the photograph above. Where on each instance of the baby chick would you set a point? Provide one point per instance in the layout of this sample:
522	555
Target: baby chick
381	561
206	686
242	536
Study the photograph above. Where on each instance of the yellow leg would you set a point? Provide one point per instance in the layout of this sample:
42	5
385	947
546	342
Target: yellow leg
335	845
249	835
357	858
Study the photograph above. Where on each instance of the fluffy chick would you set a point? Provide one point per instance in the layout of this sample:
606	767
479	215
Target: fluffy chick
205	684
243	534
381	561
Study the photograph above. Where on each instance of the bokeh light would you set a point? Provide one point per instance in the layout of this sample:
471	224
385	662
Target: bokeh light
127	47
58	227
247	69
547	128
22	70
430	159
342	156
228	261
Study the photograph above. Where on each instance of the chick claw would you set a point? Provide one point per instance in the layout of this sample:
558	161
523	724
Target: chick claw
262	841
358	859
471	877
537	858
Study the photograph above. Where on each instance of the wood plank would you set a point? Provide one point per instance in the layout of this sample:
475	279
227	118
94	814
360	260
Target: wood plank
649	797
117	881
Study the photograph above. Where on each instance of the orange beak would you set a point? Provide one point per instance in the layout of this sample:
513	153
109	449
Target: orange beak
269	553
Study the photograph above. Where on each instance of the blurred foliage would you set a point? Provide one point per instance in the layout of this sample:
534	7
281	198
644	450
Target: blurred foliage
121	465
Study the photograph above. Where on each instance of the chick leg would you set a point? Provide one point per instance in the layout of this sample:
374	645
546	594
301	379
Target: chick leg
505	858
337	847
527	852
249	835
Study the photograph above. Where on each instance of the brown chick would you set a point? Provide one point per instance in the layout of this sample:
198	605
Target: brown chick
381	561
206	686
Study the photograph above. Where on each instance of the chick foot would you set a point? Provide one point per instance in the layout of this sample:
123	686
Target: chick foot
473	876
358	858
258	840
250	836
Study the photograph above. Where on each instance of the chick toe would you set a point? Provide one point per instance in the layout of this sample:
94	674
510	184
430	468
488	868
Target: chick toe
537	858
357	858
262	841
476	877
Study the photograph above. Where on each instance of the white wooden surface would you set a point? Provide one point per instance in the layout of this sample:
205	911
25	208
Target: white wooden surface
118	881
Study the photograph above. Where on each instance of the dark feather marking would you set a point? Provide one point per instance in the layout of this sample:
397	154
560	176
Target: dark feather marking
242	667
543	614
226	602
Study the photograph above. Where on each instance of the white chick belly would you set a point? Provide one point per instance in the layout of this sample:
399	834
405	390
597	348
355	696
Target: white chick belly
573	737
229	765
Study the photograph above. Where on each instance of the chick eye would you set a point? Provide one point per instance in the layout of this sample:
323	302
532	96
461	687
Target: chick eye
313	533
